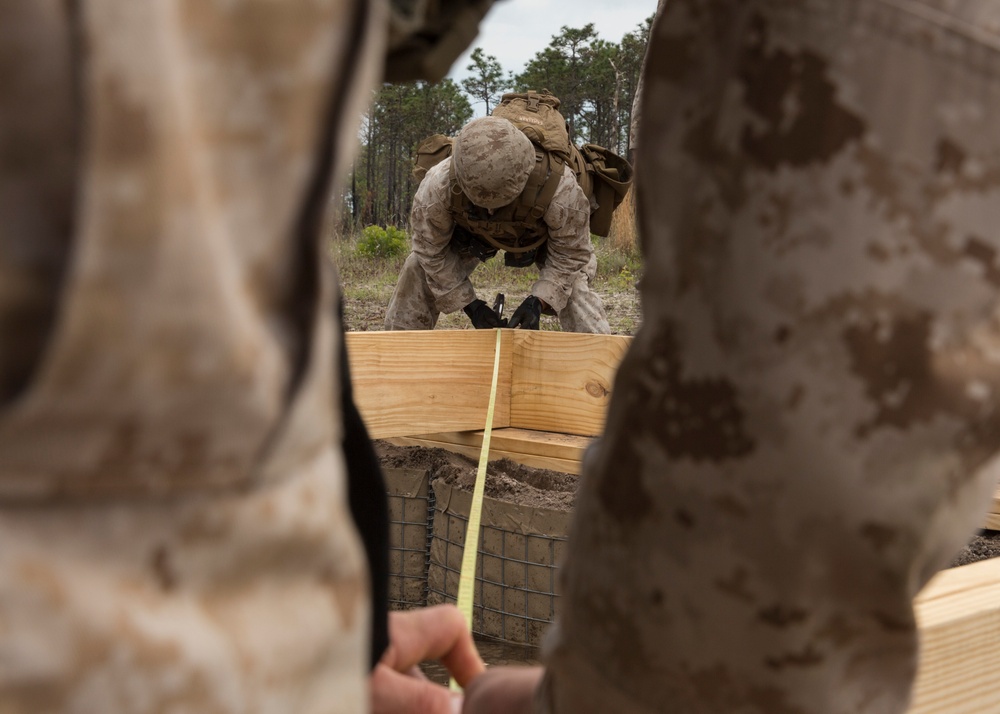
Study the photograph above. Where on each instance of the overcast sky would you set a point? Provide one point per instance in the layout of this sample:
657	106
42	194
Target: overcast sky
514	31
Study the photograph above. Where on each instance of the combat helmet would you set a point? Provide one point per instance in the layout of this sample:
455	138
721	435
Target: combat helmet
492	160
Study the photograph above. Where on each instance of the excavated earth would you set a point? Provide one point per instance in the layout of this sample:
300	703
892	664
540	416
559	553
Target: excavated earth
542	488
506	480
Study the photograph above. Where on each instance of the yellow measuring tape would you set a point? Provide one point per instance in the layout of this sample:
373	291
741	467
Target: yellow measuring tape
467	576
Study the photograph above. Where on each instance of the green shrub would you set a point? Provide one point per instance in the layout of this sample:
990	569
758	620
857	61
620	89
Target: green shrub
378	242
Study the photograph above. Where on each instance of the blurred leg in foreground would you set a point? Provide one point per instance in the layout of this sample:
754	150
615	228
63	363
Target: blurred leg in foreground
796	438
172	491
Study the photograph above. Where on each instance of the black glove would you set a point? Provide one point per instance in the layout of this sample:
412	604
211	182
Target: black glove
483	318
527	314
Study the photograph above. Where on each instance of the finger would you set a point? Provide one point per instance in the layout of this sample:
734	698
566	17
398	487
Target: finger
429	633
437	632
395	693
416	673
503	690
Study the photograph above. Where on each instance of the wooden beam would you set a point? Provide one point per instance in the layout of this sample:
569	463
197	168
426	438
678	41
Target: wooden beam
993	517
562	381
958	614
424	382
539	449
541	443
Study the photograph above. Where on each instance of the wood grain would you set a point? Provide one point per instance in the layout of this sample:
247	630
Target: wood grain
958	614
408	383
562	381
423	382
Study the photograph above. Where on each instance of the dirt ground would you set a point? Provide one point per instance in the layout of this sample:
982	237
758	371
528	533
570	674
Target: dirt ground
542	488
506	480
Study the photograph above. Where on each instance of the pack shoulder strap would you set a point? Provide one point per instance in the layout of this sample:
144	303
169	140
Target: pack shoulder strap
540	188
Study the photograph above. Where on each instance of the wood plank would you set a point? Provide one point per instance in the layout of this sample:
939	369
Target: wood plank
959	618
524	441
540	443
423	382
569	466
993	517
562	381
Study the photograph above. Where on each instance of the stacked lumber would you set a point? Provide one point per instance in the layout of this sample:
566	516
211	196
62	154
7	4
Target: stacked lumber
413	383
432	389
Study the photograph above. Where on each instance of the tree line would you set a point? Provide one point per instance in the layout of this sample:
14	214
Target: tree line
595	80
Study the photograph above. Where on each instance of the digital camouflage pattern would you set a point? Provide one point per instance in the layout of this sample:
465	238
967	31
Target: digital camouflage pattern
798	438
492	160
172	495
435	278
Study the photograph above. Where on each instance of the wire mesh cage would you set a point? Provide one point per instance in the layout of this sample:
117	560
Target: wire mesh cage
519	550
411	509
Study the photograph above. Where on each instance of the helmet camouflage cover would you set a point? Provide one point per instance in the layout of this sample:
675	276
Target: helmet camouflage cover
492	160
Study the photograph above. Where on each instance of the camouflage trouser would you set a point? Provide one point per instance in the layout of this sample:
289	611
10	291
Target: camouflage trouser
797	439
412	306
233	603
174	531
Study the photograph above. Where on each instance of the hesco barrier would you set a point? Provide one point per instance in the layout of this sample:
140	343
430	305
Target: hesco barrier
411	510
519	550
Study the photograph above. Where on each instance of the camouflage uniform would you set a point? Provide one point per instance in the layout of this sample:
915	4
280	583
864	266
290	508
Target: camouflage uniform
172	511
798	437
795	440
435	277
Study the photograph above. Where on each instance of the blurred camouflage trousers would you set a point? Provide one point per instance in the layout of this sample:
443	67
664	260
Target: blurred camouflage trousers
797	439
172	497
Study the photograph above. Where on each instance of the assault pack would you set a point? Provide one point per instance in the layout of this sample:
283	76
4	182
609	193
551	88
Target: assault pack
518	228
